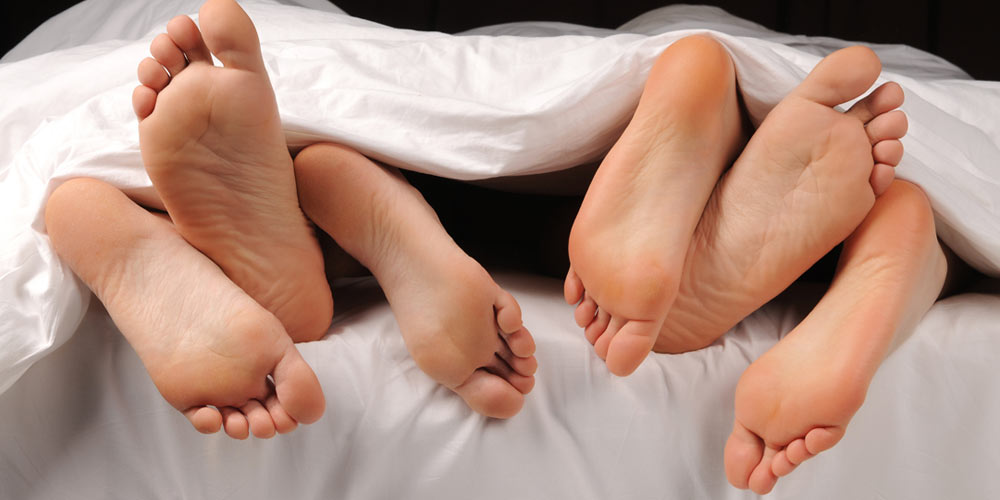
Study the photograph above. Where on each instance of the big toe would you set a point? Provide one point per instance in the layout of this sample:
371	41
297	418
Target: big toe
744	451
297	388
230	35
841	76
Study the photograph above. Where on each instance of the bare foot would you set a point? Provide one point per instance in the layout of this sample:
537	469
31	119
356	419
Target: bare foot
212	143
628	242
796	400
208	347
462	329
804	182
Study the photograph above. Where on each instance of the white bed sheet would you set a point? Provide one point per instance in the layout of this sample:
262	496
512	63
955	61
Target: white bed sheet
86	422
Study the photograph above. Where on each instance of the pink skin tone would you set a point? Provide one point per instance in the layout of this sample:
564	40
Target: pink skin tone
461	328
212	144
809	178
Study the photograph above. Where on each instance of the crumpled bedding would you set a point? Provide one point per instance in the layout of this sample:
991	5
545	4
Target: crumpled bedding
481	105
497	101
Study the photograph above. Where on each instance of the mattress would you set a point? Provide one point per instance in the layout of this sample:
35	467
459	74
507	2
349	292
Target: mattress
83	420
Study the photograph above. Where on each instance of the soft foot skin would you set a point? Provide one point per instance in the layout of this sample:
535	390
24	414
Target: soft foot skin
462	329
212	144
797	399
630	237
207	346
804	182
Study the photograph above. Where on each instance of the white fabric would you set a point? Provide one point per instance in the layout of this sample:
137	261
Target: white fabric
468	107
87	423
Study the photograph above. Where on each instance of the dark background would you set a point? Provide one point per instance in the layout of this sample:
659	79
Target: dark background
962	31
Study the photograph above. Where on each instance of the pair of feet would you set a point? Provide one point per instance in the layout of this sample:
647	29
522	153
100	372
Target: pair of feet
214	296
240	265
667	256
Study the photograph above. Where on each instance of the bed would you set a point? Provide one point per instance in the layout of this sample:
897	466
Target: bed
81	419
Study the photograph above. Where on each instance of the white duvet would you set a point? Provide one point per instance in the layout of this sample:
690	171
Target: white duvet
498	101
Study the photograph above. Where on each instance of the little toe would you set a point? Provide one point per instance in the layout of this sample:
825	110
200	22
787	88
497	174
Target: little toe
168	54
631	345
283	423
205	419
881	178
597	327
889	152
152	74
297	387
235	423
887	126
490	395
143	101
585	312
261	425
887	97
572	288
185	34
744	451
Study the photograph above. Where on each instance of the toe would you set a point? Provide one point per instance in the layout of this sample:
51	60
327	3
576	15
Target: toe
235	423
597	327
205	419
796	452
230	35
186	36
631	345
887	97
523	365
762	479
585	312
821	439
259	419
500	368
152	74
744	451
283	423
508	312
490	395
167	54
841	76
143	101
881	178
297	387
572	288
781	466
887	126
520	342
603	341
889	152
